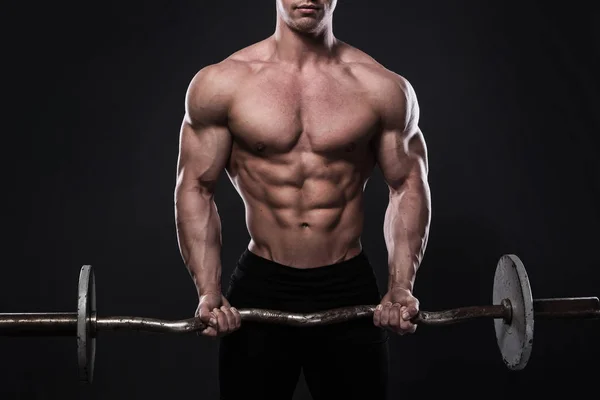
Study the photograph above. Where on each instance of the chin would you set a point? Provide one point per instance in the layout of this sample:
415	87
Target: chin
307	25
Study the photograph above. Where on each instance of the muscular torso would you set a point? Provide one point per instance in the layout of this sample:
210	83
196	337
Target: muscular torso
301	156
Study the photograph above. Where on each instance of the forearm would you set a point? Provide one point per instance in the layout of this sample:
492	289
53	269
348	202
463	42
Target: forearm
406	229
199	235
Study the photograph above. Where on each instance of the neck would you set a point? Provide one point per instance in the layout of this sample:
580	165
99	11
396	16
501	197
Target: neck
302	48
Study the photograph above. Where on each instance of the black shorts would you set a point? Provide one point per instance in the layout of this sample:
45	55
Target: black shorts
348	360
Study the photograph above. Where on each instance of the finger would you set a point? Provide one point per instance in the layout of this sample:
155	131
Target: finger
412	304
209	326
395	317
206	316
403	312
211	319
201	311
225	302
222	325
385	315
377	315
407	326
409	313
210	331
230	318
237	318
202	308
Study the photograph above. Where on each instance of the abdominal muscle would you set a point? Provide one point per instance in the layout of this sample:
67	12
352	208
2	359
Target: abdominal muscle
302	210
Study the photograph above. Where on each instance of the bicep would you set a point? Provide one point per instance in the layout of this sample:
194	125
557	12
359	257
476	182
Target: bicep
205	140
402	157
401	147
203	155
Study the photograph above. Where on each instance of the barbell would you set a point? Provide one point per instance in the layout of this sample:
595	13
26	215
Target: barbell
513	311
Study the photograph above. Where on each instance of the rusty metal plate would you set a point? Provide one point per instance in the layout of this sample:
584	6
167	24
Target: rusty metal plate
86	315
514	337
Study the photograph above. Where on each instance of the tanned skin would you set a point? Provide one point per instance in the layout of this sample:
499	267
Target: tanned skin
299	121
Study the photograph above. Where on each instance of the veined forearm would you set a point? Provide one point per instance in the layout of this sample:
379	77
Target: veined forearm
406	229
199	235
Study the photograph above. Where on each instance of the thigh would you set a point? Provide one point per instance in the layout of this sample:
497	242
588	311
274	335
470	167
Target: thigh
258	361
348	367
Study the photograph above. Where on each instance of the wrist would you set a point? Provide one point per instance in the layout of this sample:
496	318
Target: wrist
207	283
394	283
212	289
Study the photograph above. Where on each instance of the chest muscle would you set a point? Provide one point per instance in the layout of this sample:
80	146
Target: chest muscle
280	114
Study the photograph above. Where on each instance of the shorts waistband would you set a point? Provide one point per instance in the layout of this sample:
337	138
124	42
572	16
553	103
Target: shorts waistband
250	262
263	283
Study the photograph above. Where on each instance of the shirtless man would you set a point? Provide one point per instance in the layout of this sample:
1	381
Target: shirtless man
299	121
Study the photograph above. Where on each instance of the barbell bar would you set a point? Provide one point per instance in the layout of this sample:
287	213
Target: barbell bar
513	311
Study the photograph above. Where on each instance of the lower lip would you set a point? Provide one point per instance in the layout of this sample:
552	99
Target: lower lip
308	10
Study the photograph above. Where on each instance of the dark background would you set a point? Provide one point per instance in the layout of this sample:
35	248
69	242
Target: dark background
510	101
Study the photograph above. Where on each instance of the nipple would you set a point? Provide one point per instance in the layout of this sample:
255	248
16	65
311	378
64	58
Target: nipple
260	147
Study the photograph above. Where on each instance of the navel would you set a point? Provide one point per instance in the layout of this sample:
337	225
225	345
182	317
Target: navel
304	225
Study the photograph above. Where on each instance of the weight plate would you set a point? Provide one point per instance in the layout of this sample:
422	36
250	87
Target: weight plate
514	337
86	314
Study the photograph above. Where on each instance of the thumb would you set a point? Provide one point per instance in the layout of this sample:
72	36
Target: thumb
205	313
225	302
411	310
386	298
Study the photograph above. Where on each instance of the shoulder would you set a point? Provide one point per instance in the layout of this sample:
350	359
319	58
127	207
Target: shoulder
388	91
218	80
229	71
214	86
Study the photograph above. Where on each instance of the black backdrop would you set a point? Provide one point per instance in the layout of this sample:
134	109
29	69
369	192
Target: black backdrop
509	94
